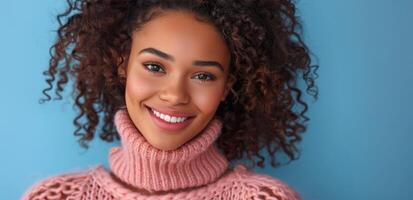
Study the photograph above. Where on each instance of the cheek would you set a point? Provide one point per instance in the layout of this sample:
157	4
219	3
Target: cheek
207	100
139	88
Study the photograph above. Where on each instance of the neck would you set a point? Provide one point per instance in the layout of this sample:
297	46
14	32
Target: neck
139	164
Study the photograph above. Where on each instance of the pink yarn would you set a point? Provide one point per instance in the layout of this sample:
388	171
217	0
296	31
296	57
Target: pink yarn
196	163
196	170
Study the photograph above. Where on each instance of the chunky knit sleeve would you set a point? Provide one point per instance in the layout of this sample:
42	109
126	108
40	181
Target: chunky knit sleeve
261	186
65	186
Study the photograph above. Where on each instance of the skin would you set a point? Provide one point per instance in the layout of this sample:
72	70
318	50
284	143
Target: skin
175	84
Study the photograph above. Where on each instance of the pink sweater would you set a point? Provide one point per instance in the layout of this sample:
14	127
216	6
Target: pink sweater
196	170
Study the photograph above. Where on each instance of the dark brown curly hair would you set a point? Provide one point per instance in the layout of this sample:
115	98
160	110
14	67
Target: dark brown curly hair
268	56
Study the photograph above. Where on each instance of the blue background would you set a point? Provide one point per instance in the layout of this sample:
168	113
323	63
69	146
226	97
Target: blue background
358	145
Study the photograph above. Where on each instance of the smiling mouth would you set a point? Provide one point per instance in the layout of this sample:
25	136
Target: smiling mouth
167	123
168	118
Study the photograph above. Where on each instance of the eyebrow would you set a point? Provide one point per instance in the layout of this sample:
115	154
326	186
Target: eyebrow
201	63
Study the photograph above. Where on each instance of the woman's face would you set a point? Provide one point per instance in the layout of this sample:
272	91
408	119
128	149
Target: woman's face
178	66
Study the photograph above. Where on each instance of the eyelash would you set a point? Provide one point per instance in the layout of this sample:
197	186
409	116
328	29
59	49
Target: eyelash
211	77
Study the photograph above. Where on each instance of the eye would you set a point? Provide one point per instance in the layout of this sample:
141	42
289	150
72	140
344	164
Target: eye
156	68
205	77
152	67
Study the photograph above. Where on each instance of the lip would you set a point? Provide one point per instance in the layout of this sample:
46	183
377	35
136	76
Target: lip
172	112
169	126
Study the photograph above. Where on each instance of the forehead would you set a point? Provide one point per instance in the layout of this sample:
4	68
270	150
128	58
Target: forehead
181	35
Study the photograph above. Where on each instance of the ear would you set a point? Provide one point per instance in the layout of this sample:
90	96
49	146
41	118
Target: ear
122	71
228	86
122	68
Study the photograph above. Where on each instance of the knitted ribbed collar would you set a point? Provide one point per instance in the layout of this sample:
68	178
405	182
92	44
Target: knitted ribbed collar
137	163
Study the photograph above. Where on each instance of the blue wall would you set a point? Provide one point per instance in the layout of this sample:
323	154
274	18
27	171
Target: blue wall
358	142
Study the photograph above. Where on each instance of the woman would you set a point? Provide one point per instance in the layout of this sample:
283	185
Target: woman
188	87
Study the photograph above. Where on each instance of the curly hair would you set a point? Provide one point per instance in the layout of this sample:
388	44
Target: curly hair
268	56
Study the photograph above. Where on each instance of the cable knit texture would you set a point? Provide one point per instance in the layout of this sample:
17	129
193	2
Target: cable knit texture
196	170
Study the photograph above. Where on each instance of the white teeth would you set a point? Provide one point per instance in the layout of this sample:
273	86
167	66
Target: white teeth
168	118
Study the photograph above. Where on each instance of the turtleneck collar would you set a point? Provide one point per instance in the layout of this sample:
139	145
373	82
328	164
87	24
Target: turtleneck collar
139	164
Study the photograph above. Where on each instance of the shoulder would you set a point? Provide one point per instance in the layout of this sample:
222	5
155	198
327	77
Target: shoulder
261	186
69	184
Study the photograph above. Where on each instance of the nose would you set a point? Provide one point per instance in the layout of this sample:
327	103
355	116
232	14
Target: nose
175	92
